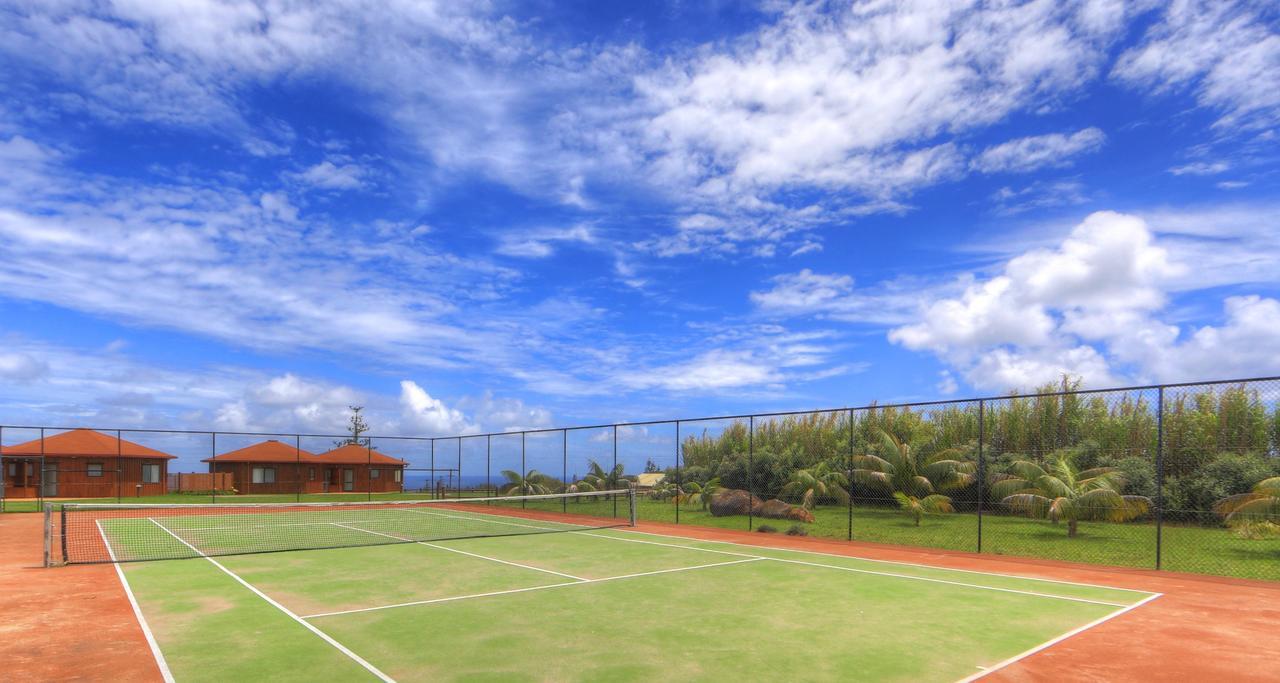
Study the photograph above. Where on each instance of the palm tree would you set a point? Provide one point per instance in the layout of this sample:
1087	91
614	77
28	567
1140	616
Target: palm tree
1065	492
820	482
914	476
1262	503
532	483
600	479
701	494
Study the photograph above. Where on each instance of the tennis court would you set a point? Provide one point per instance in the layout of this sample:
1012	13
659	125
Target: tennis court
525	589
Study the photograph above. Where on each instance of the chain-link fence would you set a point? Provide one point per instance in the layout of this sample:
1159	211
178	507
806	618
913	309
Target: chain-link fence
1182	477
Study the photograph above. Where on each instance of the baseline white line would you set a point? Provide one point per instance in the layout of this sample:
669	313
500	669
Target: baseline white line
870	571
531	588
326	637
896	562
1043	646
137	609
461	552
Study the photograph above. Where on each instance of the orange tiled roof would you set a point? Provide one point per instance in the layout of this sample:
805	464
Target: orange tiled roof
352	454
83	443
266	451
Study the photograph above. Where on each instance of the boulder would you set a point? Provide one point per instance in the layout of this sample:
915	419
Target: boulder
732	502
738	502
777	509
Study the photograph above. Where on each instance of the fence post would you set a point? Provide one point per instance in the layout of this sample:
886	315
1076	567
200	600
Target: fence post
431	480
524	483
751	454
849	473
297	465
982	463
1159	475
213	464
615	469
459	486
120	468
679	484
488	452
564	468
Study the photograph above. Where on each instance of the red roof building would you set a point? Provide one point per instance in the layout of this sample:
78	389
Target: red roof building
82	463
270	467
354	468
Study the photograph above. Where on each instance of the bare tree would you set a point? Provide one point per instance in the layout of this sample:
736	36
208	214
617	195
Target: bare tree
357	426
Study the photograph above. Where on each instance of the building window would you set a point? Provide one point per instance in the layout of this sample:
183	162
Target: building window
13	469
31	470
399	474
93	469
264	475
374	474
150	473
311	473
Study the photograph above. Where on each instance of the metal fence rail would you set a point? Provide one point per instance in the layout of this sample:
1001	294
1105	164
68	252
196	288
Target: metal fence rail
1156	476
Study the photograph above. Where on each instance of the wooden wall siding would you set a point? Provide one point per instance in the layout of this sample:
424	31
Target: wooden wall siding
119	477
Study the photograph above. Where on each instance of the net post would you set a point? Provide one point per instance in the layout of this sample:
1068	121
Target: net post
48	534
62	522
631	506
297	466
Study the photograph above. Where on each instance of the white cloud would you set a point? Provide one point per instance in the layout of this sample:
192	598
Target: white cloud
1227	53
541	243
1201	168
1090	306
496	414
1029	153
327	175
430	416
21	367
1041	194
859	101
806	293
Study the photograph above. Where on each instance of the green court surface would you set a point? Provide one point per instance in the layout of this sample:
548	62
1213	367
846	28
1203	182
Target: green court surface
581	604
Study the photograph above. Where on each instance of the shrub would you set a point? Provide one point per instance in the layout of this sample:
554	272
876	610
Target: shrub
766	529
797	530
1226	475
768	474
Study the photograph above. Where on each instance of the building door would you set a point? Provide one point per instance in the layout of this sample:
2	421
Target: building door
348	479
49	480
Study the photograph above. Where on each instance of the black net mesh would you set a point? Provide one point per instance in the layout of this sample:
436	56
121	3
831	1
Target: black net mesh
89	533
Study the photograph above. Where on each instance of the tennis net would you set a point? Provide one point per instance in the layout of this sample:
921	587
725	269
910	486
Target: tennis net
82	533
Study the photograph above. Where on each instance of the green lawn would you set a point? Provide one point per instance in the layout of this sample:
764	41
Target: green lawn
597	605
1205	550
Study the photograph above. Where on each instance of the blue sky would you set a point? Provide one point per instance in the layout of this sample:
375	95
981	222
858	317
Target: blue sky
249	215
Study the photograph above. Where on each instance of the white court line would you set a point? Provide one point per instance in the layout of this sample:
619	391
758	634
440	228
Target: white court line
326	637
532	588
1059	639
137	610
461	552
870	571
482	518
896	562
